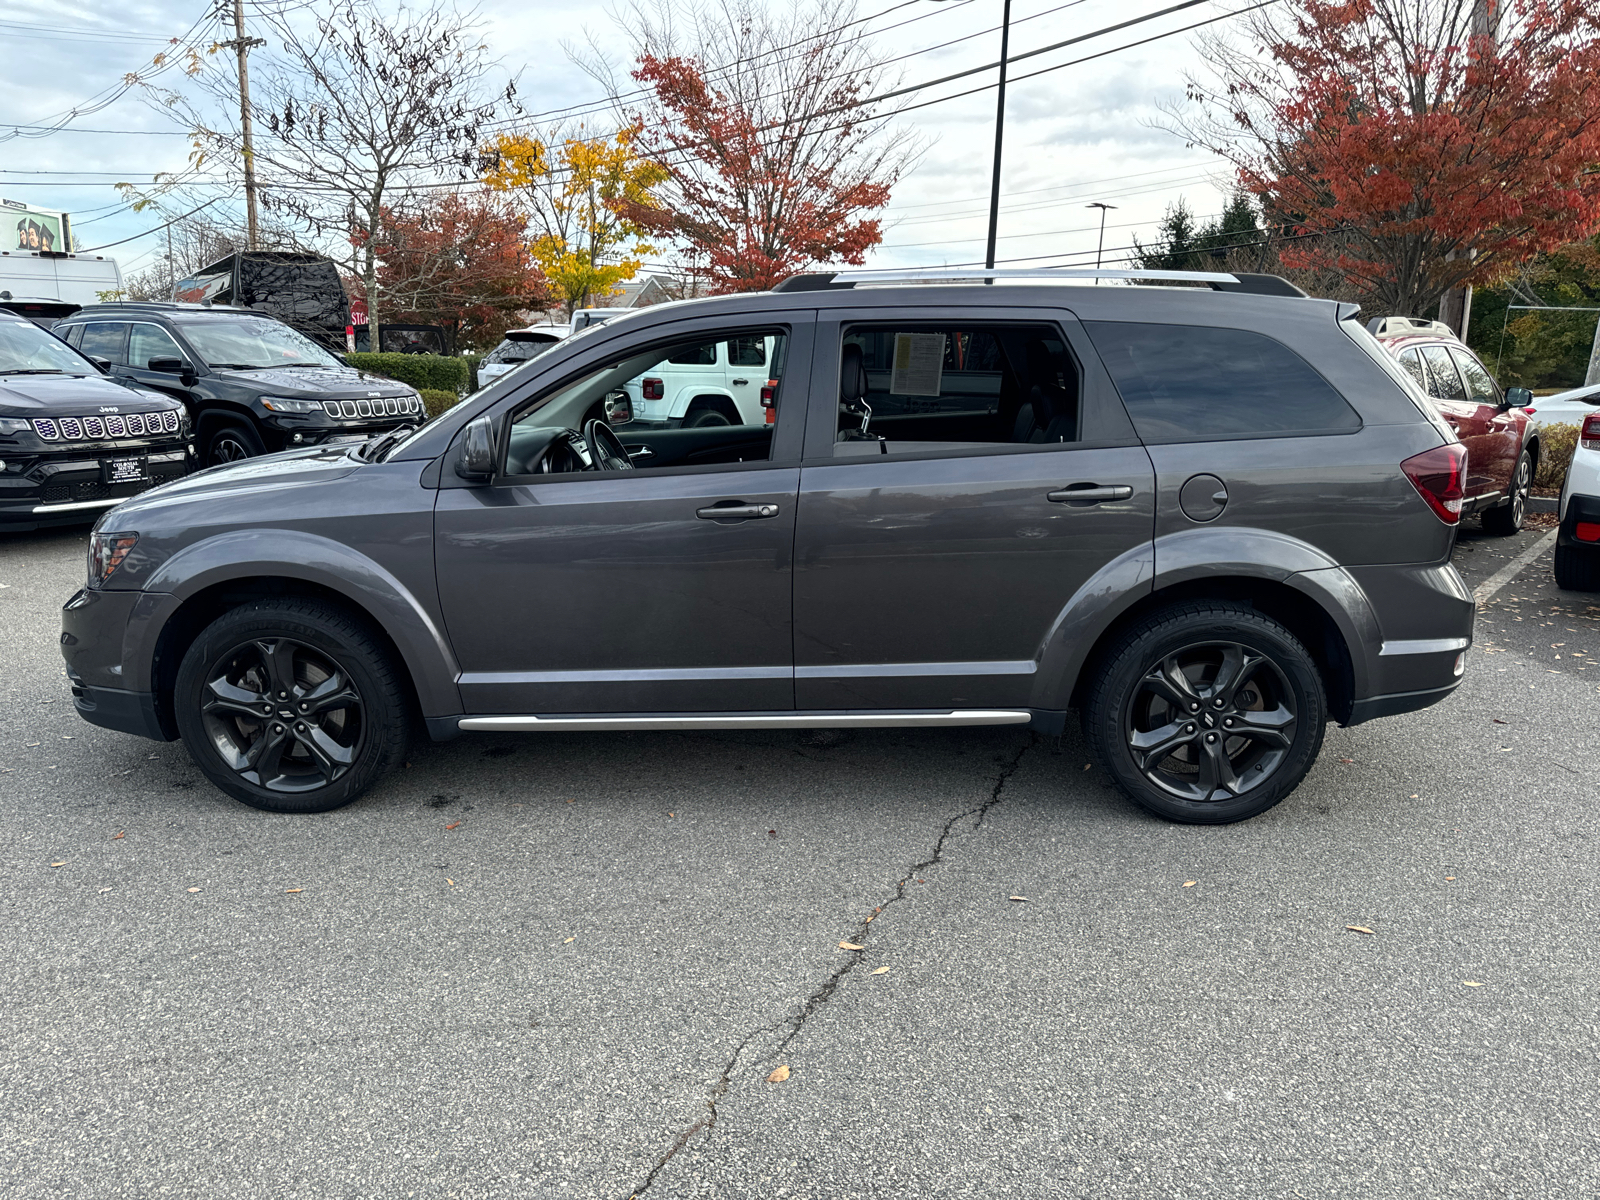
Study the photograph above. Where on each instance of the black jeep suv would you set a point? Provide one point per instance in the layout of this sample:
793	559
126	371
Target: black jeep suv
1207	518
252	384
72	442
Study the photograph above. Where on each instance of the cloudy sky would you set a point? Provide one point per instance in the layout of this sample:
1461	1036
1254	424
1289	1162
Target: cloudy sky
1085	132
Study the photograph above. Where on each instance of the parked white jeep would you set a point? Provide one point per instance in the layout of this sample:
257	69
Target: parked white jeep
718	383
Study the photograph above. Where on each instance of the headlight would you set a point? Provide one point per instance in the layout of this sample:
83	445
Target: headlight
282	404
9	425
106	552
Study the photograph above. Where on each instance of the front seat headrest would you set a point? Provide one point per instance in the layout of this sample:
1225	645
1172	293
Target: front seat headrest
852	376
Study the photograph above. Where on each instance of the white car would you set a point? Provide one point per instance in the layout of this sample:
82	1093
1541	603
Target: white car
716	383
1565	408
517	348
1578	543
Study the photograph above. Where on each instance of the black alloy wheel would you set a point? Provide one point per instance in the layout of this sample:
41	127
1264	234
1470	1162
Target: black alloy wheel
283	715
232	443
706	417
1508	517
1206	712
290	705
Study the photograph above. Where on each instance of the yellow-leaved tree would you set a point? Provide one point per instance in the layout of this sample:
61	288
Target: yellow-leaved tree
578	193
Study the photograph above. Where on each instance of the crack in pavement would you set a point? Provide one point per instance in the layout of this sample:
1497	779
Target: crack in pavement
825	992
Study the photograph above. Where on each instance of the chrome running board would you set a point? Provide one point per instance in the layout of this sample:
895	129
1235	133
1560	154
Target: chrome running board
812	720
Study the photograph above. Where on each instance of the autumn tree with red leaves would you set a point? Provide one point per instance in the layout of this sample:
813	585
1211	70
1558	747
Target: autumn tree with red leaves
460	263
777	164
1412	145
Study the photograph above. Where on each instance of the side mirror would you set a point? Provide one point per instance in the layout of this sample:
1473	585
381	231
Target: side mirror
1518	397
173	366
477	450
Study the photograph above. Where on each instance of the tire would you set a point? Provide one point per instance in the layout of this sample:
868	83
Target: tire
700	418
1507	518
1132	700
333	658
1577	569
232	441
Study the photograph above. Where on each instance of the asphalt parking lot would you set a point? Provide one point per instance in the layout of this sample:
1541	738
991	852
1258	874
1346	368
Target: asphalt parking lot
567	966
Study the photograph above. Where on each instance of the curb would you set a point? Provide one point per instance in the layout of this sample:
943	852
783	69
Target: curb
1543	504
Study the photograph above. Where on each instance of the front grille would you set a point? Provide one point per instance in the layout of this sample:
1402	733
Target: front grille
90	491
349	409
331	407
55	493
96	429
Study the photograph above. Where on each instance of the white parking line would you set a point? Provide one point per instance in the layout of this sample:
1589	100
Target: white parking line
1485	591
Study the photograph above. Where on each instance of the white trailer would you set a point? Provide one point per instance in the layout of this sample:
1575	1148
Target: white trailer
73	278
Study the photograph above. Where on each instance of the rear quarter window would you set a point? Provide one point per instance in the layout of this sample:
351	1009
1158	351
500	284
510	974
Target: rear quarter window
1201	383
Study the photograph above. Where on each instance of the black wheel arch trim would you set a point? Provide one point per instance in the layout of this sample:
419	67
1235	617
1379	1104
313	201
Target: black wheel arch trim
1185	566
243	555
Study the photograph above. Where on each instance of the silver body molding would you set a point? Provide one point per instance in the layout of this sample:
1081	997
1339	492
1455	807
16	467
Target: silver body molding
819	720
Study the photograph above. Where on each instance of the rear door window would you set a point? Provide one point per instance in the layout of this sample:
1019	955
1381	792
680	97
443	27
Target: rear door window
1201	383
1412	362
1444	380
747	352
105	339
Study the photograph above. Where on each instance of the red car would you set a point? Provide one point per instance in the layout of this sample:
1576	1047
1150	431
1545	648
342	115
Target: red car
1502	442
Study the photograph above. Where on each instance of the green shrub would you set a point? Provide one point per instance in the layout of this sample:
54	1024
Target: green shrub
1556	446
436	371
436	401
472	361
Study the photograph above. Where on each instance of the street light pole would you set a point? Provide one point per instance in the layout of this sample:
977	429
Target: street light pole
999	134
1101	245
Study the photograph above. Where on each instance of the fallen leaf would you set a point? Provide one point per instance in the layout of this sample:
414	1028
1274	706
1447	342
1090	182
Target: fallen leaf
772	833
1471	983
194	889
1498	721
457	825
1018	899
672	814
62	863
570	940
1413	795
850	946
451	882
779	1075
36	743
1088	766
881	971
1359	929
1449	878
292	891
67	737
103	891
117	836
1347	760
1191	883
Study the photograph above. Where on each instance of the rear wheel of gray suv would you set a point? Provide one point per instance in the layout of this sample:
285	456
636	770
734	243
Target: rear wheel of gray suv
290	705
1206	712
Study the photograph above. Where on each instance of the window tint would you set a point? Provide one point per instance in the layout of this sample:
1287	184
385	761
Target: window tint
703	354
747	352
104	339
1479	385
1191	382
919	388
1446	384
72	335
1412	362
151	341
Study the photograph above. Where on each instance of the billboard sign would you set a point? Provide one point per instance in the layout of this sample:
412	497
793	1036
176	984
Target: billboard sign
23	227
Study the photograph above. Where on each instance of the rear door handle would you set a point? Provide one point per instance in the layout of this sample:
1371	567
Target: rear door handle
739	382
1091	493
724	512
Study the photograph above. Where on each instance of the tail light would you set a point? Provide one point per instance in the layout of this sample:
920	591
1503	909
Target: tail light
652	389
1590	435
769	400
1440	476
1587	531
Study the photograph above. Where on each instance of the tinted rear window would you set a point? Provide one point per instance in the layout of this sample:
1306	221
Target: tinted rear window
1190	382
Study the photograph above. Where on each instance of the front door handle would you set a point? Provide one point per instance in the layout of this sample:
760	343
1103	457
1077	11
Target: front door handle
1091	493
740	512
739	382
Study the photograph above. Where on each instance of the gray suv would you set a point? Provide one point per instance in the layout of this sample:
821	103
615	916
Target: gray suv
1207	518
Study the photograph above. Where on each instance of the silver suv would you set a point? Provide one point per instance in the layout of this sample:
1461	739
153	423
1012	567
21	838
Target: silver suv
1207	518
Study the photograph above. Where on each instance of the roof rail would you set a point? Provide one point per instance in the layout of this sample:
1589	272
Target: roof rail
961	274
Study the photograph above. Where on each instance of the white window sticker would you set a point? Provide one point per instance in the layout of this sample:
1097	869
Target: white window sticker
918	364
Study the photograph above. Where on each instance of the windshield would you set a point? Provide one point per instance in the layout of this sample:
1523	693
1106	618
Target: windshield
27	349
516	351
243	343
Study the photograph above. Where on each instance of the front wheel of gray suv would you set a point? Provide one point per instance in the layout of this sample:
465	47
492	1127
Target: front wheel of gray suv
290	705
1206	712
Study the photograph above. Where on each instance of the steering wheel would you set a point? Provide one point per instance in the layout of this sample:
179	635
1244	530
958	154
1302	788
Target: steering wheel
605	448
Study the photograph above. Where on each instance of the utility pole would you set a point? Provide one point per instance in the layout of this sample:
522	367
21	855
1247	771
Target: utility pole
1101	245
1455	306
242	46
999	134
